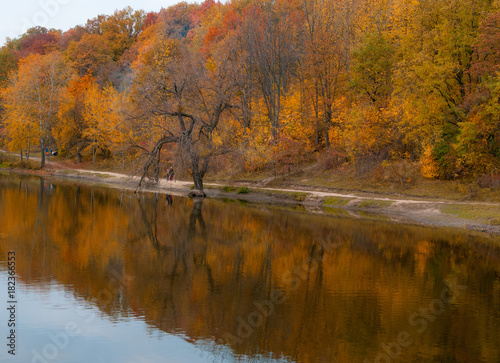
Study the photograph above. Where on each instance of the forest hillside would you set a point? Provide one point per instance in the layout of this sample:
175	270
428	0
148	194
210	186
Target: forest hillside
392	89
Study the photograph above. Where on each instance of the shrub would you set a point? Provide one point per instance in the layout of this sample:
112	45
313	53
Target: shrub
300	197
428	166
6	158
446	159
330	159
400	172
489	181
25	164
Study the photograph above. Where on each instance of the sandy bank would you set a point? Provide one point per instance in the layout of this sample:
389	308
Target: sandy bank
412	211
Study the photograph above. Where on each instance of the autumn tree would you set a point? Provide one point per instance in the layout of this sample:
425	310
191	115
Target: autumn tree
372	68
180	97
90	121
486	58
94	25
90	54
177	20
478	144
121	29
70	123
21	132
33	93
38	40
271	40
150	19
8	64
72	35
8	61
432	74
102	118
327	35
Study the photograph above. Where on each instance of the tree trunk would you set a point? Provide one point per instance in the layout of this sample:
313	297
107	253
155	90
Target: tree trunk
198	181
42	145
198	175
78	155
328	121
276	118
316	111
22	155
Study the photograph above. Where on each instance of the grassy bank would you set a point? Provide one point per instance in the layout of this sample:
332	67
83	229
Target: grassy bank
347	180
8	161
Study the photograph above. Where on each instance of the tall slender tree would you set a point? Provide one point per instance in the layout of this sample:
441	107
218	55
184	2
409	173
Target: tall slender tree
270	35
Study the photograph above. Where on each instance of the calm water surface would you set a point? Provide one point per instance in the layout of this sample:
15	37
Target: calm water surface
103	276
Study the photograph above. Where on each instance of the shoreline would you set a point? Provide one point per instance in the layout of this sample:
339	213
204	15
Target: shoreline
431	213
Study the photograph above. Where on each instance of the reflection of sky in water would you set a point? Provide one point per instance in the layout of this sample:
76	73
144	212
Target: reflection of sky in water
42	313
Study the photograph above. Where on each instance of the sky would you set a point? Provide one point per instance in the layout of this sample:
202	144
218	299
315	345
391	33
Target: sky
19	15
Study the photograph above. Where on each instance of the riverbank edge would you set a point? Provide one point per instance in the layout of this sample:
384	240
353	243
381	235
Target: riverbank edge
387	208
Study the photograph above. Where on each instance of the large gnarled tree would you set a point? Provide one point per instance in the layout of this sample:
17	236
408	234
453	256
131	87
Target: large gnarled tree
179	96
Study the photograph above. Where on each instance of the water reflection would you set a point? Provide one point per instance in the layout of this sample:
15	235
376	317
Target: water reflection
244	283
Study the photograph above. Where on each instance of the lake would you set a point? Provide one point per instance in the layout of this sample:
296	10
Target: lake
105	276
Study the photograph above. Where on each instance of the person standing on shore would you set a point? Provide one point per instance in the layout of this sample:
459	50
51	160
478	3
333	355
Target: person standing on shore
170	174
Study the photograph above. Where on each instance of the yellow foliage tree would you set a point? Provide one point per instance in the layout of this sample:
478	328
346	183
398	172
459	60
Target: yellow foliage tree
428	165
32	98
102	120
68	130
21	131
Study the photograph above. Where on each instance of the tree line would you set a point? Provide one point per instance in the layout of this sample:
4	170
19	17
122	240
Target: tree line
257	84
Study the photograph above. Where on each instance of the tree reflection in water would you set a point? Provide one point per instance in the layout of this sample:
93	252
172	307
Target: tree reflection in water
199	267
